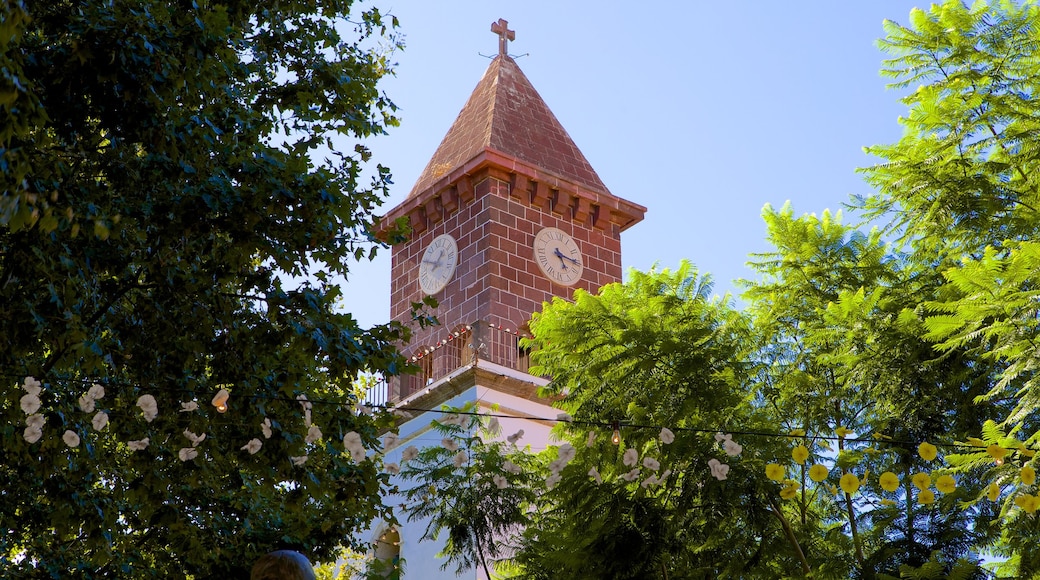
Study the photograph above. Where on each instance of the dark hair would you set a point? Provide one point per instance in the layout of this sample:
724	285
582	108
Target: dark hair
282	565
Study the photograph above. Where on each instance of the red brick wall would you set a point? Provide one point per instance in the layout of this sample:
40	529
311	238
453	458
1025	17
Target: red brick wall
497	279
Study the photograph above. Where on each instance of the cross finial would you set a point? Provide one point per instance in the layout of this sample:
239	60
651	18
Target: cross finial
501	28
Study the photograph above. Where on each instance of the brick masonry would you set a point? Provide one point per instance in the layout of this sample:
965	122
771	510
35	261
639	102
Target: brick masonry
497	279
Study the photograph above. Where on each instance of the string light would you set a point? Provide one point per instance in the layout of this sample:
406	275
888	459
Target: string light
220	400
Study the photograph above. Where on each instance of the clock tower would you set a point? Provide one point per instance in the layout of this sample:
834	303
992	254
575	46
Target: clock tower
507	214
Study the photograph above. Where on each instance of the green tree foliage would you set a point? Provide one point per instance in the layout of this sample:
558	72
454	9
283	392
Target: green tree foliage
468	491
843	348
158	183
961	188
655	351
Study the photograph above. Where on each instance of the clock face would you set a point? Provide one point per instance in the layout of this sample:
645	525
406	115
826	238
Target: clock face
438	264
558	256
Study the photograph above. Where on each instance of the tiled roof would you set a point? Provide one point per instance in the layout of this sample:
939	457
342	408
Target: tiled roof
506	114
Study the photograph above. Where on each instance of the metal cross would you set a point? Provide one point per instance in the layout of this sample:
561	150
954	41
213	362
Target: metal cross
501	28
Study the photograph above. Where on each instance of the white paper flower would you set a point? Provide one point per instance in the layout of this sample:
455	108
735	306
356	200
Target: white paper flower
564	417
510	467
253	446
100	420
409	453
390	441
732	448
188	453
720	437
460	459
32	434
71	438
149	407
631	475
651	463
515	437
96	392
718	469
631	457
313	434
86	403
32	386
35	421
298	460
594	474
449	444
139	445
365	409
189	406
666	435
552	480
30	403
493	426
567	452
500	481
265	427
392	468
557	465
352	443
195	439
591	439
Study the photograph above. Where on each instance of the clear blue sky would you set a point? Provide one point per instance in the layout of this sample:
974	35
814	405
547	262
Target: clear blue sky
701	111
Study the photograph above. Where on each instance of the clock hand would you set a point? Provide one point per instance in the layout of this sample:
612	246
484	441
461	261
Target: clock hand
560	255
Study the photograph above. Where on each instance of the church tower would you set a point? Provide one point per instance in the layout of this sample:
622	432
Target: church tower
506	215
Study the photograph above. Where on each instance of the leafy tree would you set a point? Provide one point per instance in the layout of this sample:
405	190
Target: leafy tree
844	349
158	187
960	188
469	491
655	351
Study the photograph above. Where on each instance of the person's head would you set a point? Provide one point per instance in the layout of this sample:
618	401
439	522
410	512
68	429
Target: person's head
282	565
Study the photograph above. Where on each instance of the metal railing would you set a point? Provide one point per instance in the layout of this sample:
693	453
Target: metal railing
464	346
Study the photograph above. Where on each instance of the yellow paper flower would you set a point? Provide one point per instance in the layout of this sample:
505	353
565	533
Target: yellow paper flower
1028	475
946	483
1030	503
922	480
800	454
887	502
1027	502
889	481
993	492
849	483
997	453
844	432
789	492
818	472
775	472
798	432
1025	451
927	451
925	497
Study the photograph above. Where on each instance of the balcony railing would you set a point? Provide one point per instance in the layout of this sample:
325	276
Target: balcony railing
463	346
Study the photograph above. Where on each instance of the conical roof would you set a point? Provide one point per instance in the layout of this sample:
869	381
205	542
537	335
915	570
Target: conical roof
505	114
